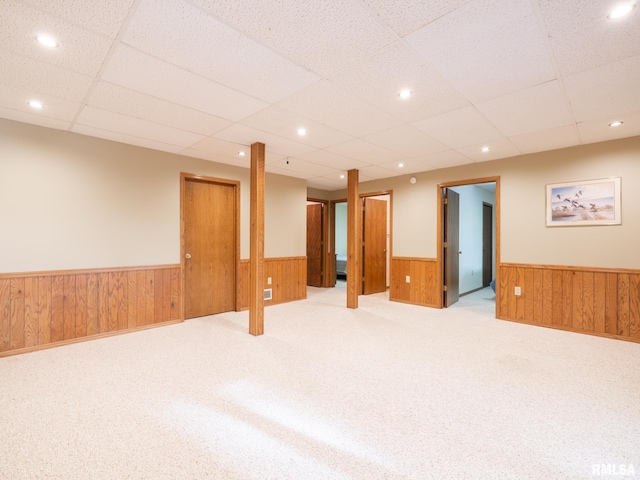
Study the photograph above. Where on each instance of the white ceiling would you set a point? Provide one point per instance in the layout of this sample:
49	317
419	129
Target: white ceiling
207	78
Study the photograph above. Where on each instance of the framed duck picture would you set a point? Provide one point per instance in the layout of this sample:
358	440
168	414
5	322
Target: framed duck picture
584	203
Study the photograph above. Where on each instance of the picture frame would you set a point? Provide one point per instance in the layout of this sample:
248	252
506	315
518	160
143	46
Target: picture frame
584	203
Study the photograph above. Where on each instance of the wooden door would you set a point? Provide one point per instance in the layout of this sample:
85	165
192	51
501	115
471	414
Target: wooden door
374	250
487	244
451	230
210	247
315	221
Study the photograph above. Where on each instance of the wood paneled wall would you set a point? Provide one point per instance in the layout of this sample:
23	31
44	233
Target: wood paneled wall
288	280
422	287
44	309
597	301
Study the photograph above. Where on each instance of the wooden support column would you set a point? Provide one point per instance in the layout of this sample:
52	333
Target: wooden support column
354	242
256	242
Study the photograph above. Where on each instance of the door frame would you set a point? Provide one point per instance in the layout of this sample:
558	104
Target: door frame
332	220
328	247
440	234
184	177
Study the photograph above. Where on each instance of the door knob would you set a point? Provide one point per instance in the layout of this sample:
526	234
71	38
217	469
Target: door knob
459	253
188	255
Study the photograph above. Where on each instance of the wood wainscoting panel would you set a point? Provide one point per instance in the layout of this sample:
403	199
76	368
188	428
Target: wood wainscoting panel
288	280
598	301
43	309
423	277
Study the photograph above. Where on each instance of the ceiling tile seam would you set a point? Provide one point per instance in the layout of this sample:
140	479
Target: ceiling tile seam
184	153
438	18
373	14
146	139
254	39
89	104
245	94
420	61
340	89
554	62
64	20
443	77
39	114
323	150
44	62
107	58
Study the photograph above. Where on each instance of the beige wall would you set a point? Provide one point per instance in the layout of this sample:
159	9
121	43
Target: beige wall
524	236
70	202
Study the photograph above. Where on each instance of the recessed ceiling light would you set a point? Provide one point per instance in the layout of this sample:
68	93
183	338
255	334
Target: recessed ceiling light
36	104
302	131
341	176
404	94
485	149
241	154
621	10
47	41
400	165
617	123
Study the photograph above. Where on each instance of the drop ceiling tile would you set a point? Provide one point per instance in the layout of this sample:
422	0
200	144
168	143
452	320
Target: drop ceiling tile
327	183
105	17
378	79
551	139
447	159
364	151
605	91
599	130
533	109
17	98
216	146
486	48
287	172
108	96
243	162
176	32
302	166
78	49
408	166
328	104
284	123
142	73
374	172
244	135
26	117
328	159
406	140
499	149
583	38
320	29
406	16
124	138
459	128
272	157
114	122
39	77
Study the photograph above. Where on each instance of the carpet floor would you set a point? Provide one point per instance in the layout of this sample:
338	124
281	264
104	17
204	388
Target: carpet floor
385	391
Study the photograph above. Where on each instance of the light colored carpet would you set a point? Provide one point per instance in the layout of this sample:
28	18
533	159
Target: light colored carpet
387	391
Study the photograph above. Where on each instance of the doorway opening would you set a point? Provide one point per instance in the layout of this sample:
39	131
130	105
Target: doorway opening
376	224
468	237
319	270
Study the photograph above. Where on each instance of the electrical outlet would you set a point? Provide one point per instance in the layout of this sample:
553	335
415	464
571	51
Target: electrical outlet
268	280
518	291
408	279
